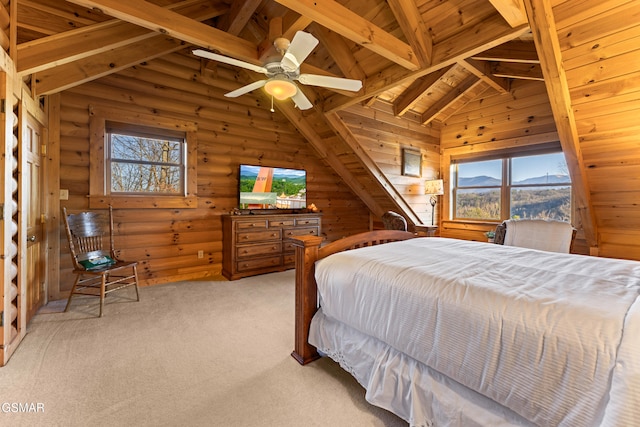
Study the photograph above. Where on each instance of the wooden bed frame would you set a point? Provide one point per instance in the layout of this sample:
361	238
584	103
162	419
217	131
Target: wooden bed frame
308	251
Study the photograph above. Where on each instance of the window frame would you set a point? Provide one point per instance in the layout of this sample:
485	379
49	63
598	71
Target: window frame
99	172
506	157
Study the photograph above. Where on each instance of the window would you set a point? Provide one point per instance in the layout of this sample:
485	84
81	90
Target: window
151	163
511	186
141	161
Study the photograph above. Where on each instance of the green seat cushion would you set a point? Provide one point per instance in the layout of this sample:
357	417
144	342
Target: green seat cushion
98	262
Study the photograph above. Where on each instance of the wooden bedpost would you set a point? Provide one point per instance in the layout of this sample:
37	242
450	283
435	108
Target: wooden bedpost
306	296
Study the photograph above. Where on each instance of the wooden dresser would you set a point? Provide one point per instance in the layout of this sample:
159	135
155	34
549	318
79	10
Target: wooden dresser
257	244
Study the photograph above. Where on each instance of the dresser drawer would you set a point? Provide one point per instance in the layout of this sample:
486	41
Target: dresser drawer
261	249
254	264
288	246
306	221
289	259
258	236
243	225
281	223
302	231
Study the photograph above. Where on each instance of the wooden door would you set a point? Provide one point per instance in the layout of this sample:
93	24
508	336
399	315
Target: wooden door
32	169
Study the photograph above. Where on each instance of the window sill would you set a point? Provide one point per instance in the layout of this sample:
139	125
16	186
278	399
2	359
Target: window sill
143	202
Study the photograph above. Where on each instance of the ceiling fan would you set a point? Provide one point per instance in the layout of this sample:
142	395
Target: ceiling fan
282	73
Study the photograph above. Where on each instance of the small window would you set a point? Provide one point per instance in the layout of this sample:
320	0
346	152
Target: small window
143	162
151	163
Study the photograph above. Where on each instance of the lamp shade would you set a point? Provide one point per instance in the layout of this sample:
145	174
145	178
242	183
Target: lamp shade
280	88
434	186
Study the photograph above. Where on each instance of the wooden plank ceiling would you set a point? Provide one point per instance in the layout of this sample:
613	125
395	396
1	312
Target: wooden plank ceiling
420	61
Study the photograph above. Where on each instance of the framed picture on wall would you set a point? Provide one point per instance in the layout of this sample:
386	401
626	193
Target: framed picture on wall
411	163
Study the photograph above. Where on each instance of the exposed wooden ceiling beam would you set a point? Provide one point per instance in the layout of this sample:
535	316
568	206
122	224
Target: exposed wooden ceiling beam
478	38
340	53
48	52
156	18
239	14
513	51
483	71
343	21
414	29
102	64
451	97
324	151
416	90
518	71
292	23
540	16
343	131
511	10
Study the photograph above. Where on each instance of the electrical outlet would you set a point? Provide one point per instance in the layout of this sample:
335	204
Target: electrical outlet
200	254
64	194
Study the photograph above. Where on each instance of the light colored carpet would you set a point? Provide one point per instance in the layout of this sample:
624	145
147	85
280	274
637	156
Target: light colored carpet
188	354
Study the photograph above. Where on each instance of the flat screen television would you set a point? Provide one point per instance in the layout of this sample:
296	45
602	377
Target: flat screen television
263	187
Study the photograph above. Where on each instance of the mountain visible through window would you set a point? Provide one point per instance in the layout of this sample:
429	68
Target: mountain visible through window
535	186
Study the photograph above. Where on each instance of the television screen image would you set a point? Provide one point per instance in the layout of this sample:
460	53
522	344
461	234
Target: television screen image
272	188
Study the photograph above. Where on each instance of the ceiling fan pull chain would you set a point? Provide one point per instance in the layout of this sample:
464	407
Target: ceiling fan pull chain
272	110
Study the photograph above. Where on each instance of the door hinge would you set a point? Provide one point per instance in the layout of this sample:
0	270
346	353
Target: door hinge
43	149
43	220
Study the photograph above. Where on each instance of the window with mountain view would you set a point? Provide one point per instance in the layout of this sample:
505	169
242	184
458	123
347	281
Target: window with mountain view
535	186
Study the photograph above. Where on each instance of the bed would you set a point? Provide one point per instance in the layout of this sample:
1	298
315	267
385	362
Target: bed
458	333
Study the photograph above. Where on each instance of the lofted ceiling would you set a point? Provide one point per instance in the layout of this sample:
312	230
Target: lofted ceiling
411	56
419	60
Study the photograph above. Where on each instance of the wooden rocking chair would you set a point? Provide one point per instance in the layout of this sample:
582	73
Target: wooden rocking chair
98	270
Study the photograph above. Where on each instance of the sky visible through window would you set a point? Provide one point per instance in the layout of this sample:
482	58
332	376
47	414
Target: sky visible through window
536	166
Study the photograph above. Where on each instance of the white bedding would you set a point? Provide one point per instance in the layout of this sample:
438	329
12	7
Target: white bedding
541	333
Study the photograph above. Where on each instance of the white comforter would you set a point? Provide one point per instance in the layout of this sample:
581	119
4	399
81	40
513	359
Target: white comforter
554	337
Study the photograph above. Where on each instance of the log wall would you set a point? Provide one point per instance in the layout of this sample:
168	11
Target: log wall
495	121
230	132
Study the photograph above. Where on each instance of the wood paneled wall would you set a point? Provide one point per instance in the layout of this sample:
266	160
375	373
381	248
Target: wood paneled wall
230	132
495	121
601	56
383	137
5	24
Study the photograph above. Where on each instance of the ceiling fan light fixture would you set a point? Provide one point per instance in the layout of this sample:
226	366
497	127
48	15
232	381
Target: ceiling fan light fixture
280	89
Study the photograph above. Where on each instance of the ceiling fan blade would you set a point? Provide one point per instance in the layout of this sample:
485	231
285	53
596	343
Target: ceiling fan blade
301	100
228	60
299	48
330	82
245	89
